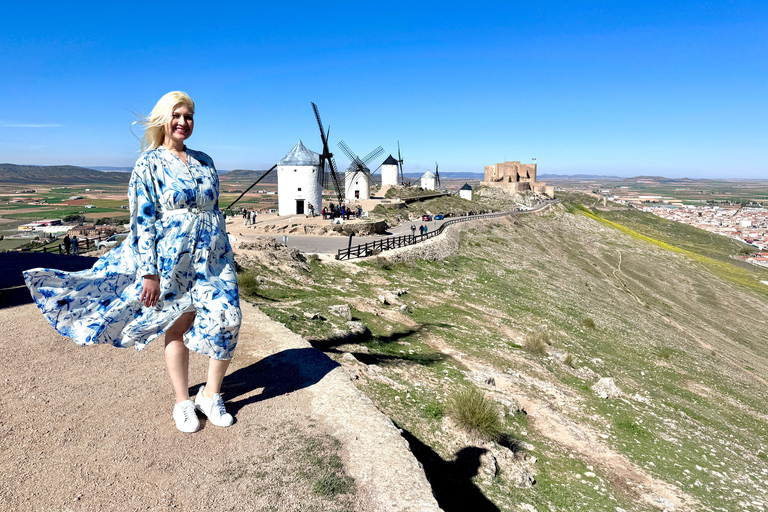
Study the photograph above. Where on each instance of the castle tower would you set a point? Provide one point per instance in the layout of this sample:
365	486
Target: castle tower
299	182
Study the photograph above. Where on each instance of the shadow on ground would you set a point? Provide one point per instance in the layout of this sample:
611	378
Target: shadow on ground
13	292
277	374
451	480
329	345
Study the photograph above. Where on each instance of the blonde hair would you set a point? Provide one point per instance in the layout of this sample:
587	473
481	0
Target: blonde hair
154	123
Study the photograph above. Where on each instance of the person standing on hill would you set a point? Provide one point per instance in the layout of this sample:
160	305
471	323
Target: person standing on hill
75	246
67	244
173	274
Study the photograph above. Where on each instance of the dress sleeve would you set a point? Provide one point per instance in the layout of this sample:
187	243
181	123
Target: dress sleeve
143	204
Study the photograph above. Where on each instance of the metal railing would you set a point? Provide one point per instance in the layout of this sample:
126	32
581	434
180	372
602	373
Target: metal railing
83	245
394	242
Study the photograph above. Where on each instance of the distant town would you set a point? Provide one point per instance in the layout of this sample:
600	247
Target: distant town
747	224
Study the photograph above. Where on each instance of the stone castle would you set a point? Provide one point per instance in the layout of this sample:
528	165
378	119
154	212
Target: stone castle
514	177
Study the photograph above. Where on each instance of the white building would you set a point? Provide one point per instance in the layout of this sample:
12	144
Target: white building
428	181
299	182
357	184
465	192
389	172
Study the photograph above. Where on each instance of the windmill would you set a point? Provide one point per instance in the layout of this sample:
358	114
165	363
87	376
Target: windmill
357	167
400	164
327	163
437	176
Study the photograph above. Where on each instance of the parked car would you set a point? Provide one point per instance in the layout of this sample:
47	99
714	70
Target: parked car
111	241
439	216
426	217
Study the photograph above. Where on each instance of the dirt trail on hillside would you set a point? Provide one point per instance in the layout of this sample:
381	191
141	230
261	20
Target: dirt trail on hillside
687	332
564	431
90	428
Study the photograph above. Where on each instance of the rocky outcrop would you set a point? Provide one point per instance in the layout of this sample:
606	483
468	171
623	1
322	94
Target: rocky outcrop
606	388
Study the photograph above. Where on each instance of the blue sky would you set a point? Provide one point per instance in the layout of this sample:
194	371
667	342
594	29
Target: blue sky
619	88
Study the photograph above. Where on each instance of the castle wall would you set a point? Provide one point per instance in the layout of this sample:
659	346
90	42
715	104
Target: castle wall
515	177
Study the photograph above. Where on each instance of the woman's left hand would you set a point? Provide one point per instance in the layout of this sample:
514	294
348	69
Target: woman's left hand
150	292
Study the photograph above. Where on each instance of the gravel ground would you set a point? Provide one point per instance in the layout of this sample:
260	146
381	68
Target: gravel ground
90	428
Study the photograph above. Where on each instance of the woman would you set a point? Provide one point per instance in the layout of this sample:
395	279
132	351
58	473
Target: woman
174	273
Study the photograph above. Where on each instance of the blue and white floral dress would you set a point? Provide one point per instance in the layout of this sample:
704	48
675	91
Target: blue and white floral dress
178	233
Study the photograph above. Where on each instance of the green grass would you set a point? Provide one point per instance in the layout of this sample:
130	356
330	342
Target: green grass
559	271
717	265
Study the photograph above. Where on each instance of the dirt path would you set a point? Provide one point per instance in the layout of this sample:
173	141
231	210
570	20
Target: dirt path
90	428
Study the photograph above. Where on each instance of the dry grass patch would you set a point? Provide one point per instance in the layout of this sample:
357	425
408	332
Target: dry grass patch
475	413
536	343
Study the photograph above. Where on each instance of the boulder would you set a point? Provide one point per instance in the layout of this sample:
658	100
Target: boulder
606	388
342	310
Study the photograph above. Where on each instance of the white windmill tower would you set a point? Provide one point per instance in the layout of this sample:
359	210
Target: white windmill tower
389	172
299	182
357	179
428	181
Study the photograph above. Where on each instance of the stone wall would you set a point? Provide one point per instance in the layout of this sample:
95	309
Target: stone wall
515	178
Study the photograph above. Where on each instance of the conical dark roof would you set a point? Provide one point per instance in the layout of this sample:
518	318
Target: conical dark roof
300	155
466	187
389	161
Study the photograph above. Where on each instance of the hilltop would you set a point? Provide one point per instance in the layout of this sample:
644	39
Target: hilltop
59	175
534	312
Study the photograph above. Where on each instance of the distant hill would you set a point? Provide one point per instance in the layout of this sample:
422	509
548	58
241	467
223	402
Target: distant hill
546	176
59	175
246	175
448	175
106	168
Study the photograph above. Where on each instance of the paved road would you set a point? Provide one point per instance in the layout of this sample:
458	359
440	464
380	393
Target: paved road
331	244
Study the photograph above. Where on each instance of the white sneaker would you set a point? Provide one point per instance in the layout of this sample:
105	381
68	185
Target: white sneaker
214	409
186	417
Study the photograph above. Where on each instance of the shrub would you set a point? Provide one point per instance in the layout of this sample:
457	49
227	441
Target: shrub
247	283
536	343
382	263
665	353
475	413
434	410
588	323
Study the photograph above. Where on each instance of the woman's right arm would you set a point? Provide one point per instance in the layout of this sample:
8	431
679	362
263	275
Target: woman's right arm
143	201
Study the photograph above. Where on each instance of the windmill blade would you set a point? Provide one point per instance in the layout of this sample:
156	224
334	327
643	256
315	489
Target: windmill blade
377	169
325	156
336	182
320	125
373	154
437	175
400	163
357	173
249	188
352	157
